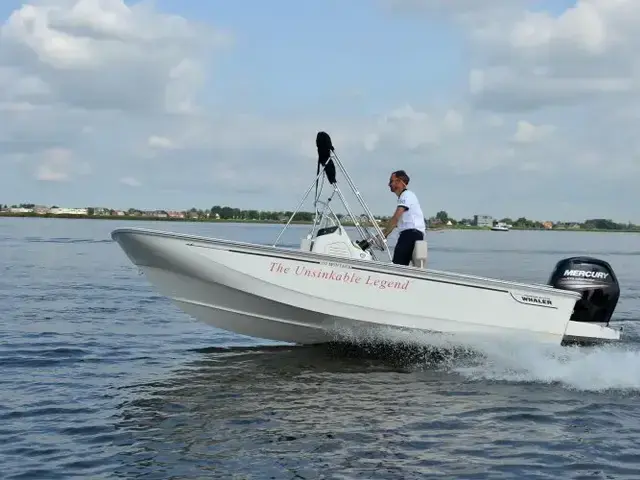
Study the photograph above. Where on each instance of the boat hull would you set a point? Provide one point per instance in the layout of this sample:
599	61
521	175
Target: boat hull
299	297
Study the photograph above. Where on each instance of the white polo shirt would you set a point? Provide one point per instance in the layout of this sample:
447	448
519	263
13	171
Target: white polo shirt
413	217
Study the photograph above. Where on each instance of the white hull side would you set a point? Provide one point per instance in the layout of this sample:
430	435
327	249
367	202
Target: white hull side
424	305
238	288
240	312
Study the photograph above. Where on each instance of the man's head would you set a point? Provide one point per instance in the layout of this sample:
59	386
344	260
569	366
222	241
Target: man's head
398	181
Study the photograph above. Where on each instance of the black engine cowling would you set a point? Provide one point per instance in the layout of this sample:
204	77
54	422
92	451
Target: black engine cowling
595	280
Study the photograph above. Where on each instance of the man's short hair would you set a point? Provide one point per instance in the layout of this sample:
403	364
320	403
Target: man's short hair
402	175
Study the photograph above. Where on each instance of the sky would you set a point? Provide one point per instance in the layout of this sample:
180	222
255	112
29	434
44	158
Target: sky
507	108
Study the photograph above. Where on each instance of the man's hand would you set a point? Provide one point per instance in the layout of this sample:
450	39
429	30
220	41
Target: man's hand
393	221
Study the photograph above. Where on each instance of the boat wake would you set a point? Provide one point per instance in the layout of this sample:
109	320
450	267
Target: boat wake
594	369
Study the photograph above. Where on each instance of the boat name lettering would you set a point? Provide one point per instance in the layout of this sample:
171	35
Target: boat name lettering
585	274
536	300
334	264
342	277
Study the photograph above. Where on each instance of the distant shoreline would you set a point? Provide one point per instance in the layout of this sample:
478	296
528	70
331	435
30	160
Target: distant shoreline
279	222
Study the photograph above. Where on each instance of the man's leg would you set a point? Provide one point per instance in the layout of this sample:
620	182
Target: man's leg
404	248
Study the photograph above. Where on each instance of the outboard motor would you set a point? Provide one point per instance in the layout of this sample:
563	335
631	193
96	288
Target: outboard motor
595	280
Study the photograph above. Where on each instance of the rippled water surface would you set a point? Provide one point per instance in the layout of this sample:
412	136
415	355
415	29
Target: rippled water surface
103	378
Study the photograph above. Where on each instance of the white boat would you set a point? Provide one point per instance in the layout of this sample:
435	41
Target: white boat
331	284
500	227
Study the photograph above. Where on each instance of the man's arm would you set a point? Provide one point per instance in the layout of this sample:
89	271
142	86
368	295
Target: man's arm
393	221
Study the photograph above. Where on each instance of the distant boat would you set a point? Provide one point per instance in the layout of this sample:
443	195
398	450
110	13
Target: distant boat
500	227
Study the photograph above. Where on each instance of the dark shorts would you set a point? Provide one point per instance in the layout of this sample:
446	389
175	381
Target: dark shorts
404	247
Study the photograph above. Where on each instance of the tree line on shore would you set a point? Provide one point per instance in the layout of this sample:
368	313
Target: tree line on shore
225	213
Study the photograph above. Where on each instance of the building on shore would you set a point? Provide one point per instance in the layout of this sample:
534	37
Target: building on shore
69	211
482	221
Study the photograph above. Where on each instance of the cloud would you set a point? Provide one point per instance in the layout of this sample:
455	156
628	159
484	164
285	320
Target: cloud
130	182
162	143
525	57
532	59
109	94
529	133
55	166
59	165
566	81
104	55
90	78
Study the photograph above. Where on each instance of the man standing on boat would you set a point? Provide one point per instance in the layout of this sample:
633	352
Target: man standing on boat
408	217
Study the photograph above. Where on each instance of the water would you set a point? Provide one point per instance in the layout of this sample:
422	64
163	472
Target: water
103	378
